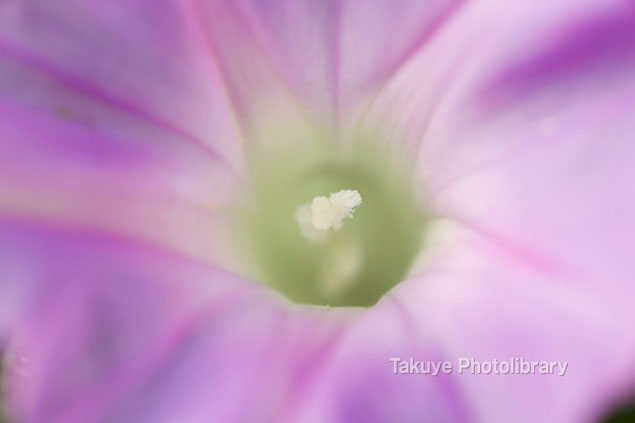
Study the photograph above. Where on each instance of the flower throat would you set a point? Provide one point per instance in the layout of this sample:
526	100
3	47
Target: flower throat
326	226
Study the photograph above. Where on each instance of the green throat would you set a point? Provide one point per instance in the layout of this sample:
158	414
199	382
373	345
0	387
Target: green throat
359	259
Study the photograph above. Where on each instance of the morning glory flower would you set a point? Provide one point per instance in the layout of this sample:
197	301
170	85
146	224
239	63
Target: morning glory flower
299	211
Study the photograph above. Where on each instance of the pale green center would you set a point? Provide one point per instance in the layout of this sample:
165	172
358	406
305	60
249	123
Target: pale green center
331	227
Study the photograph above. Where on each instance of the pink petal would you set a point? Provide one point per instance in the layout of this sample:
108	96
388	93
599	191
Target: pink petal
529	141
139	183
83	60
376	39
522	137
329	54
555	128
118	131
118	331
477	301
360	385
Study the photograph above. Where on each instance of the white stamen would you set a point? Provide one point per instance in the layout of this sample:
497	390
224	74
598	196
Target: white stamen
326	213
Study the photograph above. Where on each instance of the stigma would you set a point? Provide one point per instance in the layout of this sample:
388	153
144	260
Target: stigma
322	214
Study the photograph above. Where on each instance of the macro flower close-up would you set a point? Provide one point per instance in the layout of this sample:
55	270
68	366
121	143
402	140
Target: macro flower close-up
317	211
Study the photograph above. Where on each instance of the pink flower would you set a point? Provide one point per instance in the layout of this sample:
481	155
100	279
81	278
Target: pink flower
129	130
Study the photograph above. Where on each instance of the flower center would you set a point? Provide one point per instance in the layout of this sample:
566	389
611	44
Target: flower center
310	237
323	213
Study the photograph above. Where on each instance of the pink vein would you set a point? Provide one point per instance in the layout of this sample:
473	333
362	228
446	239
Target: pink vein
423	37
31	60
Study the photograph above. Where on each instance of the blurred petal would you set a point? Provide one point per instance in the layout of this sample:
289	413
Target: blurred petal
522	136
121	332
359	383
144	184
264	106
329	54
530	141
95	123
425	101
480	301
148	63
556	128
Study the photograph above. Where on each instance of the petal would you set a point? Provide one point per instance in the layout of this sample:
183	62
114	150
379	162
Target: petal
328	54
377	39
528	142
122	332
143	184
151	66
522	138
359	382
125	131
555	175
482	40
478	302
